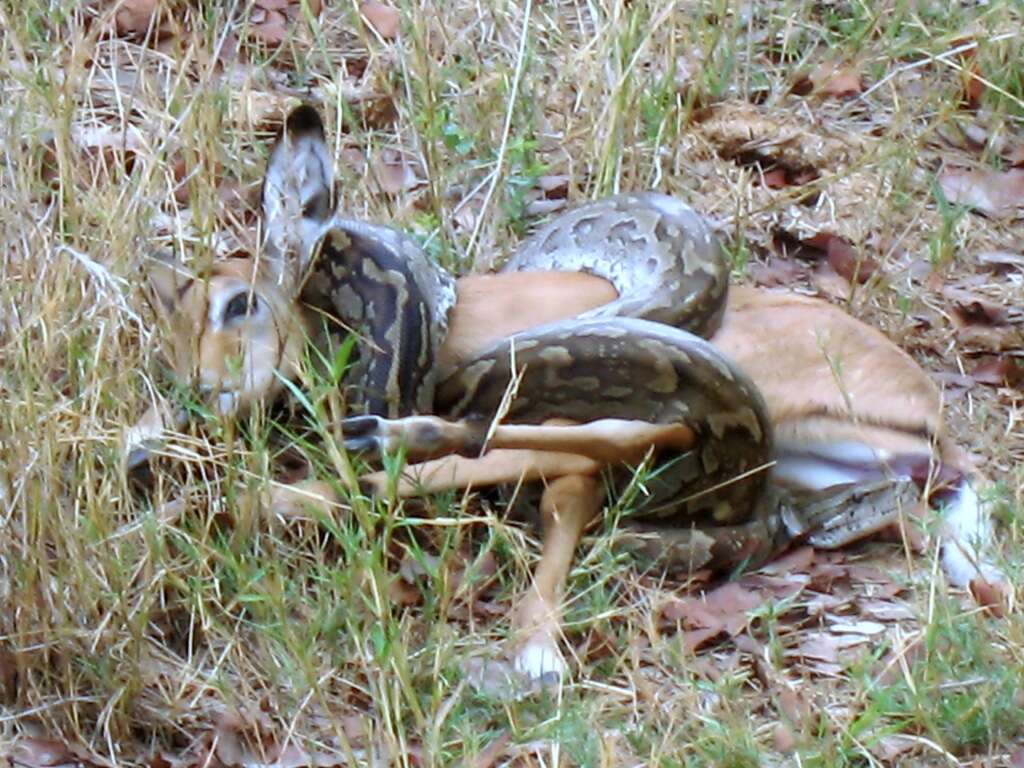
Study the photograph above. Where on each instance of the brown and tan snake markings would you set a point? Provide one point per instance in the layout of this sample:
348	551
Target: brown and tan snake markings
617	331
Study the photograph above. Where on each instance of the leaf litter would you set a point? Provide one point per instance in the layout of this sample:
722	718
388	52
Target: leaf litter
999	194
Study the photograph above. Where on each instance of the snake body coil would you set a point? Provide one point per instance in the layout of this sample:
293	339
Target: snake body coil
638	357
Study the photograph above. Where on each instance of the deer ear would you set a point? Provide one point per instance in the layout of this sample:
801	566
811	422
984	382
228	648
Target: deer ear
298	194
167	281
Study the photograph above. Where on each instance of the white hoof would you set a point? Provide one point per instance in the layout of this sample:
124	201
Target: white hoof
962	567
541	660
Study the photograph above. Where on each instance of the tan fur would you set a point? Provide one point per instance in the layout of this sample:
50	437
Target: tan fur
809	358
493	307
240	357
567	506
825	375
840	379
493	468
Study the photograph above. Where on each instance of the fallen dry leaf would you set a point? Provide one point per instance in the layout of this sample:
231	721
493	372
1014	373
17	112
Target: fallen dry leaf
984	324
818	645
865	572
972	135
268	25
857	628
777	271
997	338
161	759
353	157
830	79
779	176
849	262
747	644
378	111
1001	372
841	82
467	211
270	20
973	84
396	172
689	611
822	603
970	74
401	592
598	645
991	597
777	587
549	195
383	19
785	740
733	602
886	610
973	309
825	574
797	560
843	257
722	610
1000	262
999	194
554	186
490	754
134	17
172	46
775	178
791	704
474	576
895	745
695	639
41	753
235	731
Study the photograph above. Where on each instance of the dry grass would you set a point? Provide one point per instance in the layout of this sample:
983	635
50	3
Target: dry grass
190	626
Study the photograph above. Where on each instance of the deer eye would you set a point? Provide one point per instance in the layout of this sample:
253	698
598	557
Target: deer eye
241	305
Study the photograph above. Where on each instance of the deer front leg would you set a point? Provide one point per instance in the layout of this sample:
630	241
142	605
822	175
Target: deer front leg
567	505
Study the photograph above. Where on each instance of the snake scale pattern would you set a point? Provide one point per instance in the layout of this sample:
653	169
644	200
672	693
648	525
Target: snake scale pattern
640	357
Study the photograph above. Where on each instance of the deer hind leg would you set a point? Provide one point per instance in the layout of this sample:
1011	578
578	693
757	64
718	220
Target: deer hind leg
427	437
567	505
967	529
514	453
498	467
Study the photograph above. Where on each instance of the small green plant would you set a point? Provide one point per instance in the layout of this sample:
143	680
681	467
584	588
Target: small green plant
961	693
942	247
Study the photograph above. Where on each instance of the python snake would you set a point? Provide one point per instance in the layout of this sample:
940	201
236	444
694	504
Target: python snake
641	357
